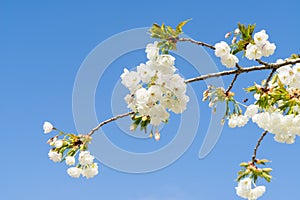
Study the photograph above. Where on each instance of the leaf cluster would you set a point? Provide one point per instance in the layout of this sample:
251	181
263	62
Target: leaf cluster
250	170
167	35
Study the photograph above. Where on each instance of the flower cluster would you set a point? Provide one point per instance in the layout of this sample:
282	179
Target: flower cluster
236	120
224	52
289	75
279	104
154	88
245	190
261	46
239	120
86	167
66	148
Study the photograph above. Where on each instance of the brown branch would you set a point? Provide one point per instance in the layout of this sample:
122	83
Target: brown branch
257	146
269	78
244	70
232	82
196	42
108	121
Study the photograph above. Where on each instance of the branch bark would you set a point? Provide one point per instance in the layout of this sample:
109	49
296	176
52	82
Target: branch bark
108	121
196	42
266	66
257	146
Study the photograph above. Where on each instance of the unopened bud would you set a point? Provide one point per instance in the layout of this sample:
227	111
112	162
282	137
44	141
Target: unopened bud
227	35
233	41
157	136
237	31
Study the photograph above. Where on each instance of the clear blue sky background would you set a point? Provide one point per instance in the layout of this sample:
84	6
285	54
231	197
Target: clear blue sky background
43	43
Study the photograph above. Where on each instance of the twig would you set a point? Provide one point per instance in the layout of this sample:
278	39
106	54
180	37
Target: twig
257	146
244	70
231	84
109	120
196	42
269	78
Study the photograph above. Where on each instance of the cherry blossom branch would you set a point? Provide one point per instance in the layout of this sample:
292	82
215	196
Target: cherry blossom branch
108	121
237	71
269	78
232	82
196	42
265	66
257	146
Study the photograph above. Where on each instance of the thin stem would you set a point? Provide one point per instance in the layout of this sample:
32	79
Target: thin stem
196	42
108	121
231	84
269	78
257	146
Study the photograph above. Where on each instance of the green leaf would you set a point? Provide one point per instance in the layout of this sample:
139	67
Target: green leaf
180	25
244	164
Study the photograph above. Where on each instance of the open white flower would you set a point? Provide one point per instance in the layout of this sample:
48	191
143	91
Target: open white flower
158	114
253	52
74	172
58	143
260	37
251	110
70	160
152	51
90	171
145	72
229	61
222	49
237	120
54	156
244	190
130	79
268	49
85	158
48	127
165	60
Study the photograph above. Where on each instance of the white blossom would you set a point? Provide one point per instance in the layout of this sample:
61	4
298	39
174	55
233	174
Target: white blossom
90	171
155	93
180	104
74	172
165	60
251	110
260	37
237	120
85	158
152	51
222	49
229	61
155	87
268	49
130	79
158	114
54	156
145	72
253	52
70	160
48	127
58	143
244	190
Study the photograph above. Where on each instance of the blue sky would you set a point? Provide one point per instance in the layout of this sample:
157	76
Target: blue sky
42	45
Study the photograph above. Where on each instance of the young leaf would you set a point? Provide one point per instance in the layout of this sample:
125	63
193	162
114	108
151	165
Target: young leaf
180	25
